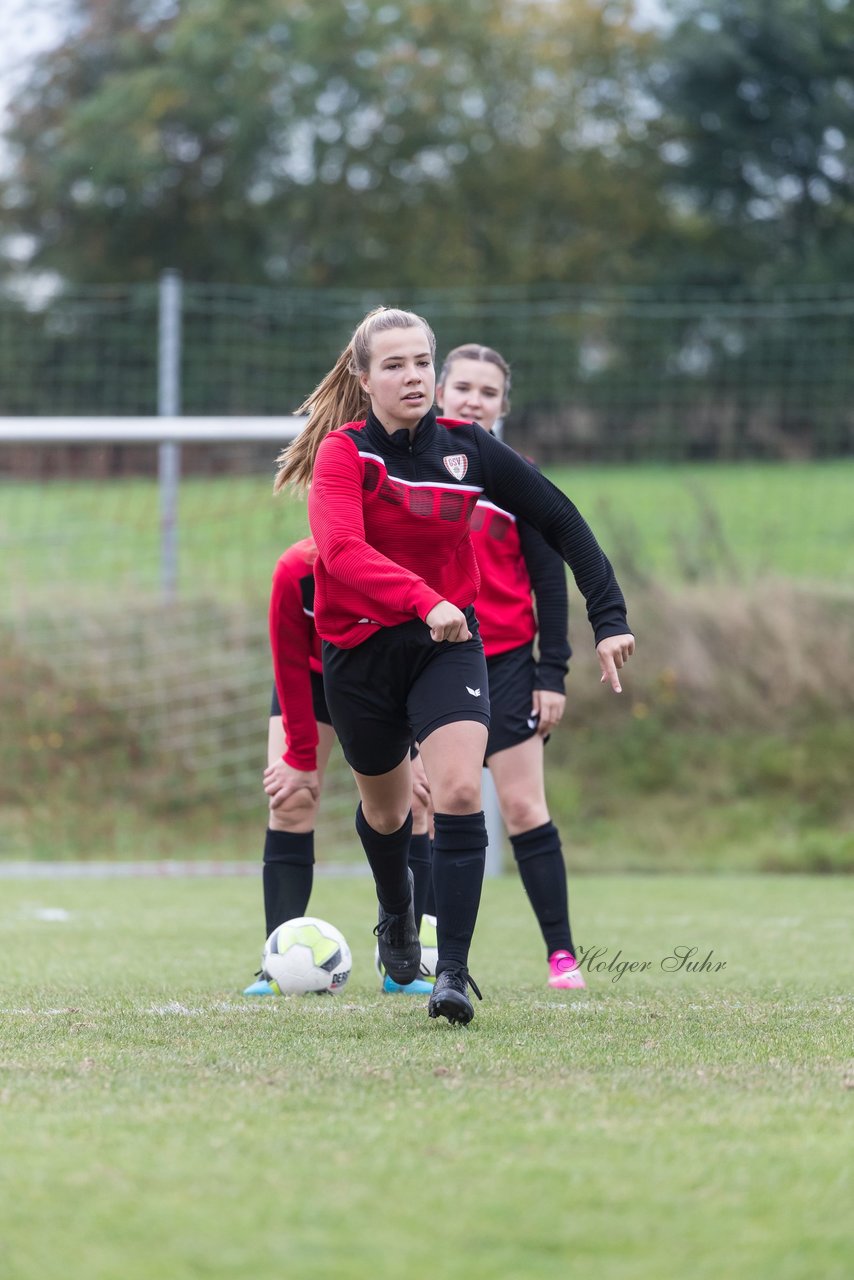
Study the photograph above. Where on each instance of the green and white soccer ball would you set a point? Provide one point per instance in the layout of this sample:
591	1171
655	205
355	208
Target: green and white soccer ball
429	950
306	955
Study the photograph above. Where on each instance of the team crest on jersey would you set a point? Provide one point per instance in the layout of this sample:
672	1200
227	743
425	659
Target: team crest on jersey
457	464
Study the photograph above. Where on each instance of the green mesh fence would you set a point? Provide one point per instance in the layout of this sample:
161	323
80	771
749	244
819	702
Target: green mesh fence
597	374
707	439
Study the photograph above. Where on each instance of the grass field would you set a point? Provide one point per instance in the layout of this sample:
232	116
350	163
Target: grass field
732	522
659	1125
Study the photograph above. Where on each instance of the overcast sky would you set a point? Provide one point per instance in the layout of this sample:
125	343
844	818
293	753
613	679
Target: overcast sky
28	27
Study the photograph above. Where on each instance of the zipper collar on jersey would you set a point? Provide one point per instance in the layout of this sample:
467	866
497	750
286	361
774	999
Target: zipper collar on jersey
401	441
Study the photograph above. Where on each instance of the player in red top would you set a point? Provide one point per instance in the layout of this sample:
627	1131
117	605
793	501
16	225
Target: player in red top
392	490
526	693
301	737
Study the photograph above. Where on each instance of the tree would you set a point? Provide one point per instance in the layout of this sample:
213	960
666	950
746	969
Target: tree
348	142
757	133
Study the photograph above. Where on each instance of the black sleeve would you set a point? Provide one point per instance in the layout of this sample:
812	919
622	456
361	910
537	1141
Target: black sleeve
517	486
548	580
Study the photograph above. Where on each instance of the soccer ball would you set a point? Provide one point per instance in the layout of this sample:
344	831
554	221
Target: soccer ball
429	950
304	955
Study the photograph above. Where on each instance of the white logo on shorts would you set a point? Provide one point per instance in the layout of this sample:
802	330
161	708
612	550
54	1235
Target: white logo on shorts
475	693
457	464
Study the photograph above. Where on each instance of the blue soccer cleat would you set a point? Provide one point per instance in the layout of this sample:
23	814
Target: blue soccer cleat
262	987
418	987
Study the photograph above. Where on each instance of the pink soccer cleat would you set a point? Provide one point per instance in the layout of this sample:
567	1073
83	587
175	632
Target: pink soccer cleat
564	973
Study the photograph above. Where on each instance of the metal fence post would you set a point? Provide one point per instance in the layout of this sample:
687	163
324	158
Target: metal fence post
169	406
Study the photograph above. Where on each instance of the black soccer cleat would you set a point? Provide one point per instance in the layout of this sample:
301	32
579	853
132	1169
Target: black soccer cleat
450	997
398	942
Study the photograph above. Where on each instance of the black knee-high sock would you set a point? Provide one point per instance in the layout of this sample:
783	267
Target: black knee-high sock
543	874
459	857
288	875
388	859
421	866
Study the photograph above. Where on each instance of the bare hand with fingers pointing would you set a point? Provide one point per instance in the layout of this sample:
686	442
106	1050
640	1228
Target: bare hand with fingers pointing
613	653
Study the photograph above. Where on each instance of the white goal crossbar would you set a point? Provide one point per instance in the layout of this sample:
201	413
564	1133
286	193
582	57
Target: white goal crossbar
149	430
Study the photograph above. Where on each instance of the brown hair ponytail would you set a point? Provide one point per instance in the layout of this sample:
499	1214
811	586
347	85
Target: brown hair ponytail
337	399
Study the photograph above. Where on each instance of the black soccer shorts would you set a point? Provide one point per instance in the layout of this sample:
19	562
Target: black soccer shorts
318	698
511	689
397	687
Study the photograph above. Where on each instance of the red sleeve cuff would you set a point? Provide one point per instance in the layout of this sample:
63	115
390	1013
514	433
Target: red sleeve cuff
305	761
427	600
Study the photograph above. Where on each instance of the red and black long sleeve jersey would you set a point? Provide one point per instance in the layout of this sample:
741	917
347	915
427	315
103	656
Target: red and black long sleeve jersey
295	645
390	514
517	566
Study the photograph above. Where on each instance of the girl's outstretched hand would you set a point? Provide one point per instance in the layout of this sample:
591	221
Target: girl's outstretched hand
613	653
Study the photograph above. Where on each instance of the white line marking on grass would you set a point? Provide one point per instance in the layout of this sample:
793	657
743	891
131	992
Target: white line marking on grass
157	870
174	1007
43	1013
51	915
